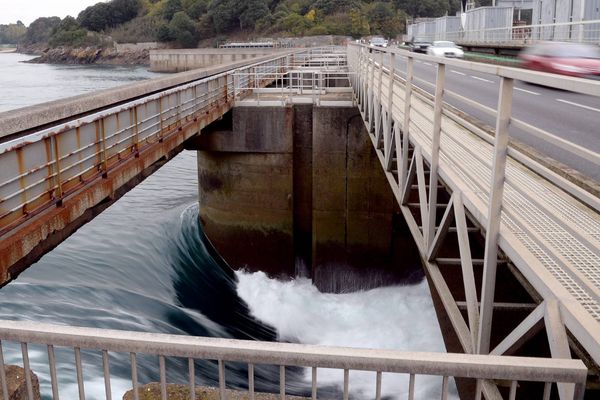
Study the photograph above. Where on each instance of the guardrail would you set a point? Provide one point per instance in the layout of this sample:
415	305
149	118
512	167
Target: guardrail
549	236
581	32
40	169
106	341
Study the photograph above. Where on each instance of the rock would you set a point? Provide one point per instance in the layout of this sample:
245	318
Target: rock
88	55
151	391
17	387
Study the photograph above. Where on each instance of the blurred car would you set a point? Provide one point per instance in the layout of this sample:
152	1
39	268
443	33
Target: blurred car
379	42
442	48
419	47
572	59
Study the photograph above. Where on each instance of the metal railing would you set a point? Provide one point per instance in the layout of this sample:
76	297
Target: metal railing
40	169
550	236
514	369
582	32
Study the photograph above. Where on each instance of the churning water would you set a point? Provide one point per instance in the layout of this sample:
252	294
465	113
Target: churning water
144	265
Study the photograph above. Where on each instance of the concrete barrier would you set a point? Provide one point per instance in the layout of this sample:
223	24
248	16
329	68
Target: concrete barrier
178	60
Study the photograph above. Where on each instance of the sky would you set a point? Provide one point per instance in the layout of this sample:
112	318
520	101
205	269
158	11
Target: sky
28	10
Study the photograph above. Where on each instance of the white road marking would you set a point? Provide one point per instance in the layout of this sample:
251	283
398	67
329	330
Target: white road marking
426	63
481	79
457	72
527	91
579	105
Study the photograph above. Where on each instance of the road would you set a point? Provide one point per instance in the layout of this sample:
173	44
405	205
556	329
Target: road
571	116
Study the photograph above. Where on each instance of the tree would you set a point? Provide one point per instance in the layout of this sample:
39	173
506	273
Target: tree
171	8
41	29
225	14
183	30
68	33
254	10
96	18
195	8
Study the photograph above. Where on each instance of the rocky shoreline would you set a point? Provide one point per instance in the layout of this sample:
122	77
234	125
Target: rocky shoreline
87	55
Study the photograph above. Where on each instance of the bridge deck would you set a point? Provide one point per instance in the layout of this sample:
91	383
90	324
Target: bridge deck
551	236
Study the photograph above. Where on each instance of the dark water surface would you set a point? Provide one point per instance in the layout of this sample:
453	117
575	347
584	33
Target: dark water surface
143	265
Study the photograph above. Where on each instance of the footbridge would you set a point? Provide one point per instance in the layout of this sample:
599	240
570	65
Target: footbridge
510	246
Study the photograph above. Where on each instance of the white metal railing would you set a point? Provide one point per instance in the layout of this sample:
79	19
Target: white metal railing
582	32
295	81
551	238
514	369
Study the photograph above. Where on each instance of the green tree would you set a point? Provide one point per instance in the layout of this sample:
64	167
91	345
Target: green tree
254	11
68	33
40	30
96	18
195	8
183	30
171	8
225	14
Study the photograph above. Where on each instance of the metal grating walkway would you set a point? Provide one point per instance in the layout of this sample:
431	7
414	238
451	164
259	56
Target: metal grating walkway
551	236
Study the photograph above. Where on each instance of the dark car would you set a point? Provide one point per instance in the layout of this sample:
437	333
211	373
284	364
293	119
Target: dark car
572	59
419	47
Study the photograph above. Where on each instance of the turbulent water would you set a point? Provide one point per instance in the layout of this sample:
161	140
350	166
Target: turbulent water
144	265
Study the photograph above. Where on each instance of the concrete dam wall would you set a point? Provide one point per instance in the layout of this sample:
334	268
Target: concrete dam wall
298	190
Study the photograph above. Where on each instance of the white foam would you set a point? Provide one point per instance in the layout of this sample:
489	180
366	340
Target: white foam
398	317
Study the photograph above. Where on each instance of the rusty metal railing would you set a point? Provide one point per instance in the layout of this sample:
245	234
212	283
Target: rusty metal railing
40	169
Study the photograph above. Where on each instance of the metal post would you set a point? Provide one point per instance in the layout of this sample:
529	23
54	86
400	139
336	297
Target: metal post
390	105
494	214
406	126
435	151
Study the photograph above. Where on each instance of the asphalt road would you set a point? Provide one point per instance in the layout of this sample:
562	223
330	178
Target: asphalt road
571	116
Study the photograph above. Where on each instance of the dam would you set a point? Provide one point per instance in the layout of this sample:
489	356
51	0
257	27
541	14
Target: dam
350	163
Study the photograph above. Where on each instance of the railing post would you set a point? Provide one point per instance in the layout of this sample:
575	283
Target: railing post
371	95
389	135
435	151
406	126
494	214
56	155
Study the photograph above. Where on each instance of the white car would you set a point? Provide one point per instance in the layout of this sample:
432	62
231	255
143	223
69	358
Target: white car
379	42
445	49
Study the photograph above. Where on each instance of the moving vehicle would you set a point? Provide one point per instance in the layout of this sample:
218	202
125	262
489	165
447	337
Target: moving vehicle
442	48
378	41
572	59
419	47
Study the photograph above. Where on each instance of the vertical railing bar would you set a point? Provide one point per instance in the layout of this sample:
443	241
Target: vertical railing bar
251	381
282	382
547	390
406	126
27	370
513	391
54	143
192	376
52	365
411	387
435	152
79	373
346	383
222	380
314	383
3	375
163	377
445	388
134	376
106	368
478	385
494	214
378	386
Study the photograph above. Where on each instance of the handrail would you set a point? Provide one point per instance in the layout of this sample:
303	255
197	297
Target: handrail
292	354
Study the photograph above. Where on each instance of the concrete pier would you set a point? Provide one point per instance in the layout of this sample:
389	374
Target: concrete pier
297	190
